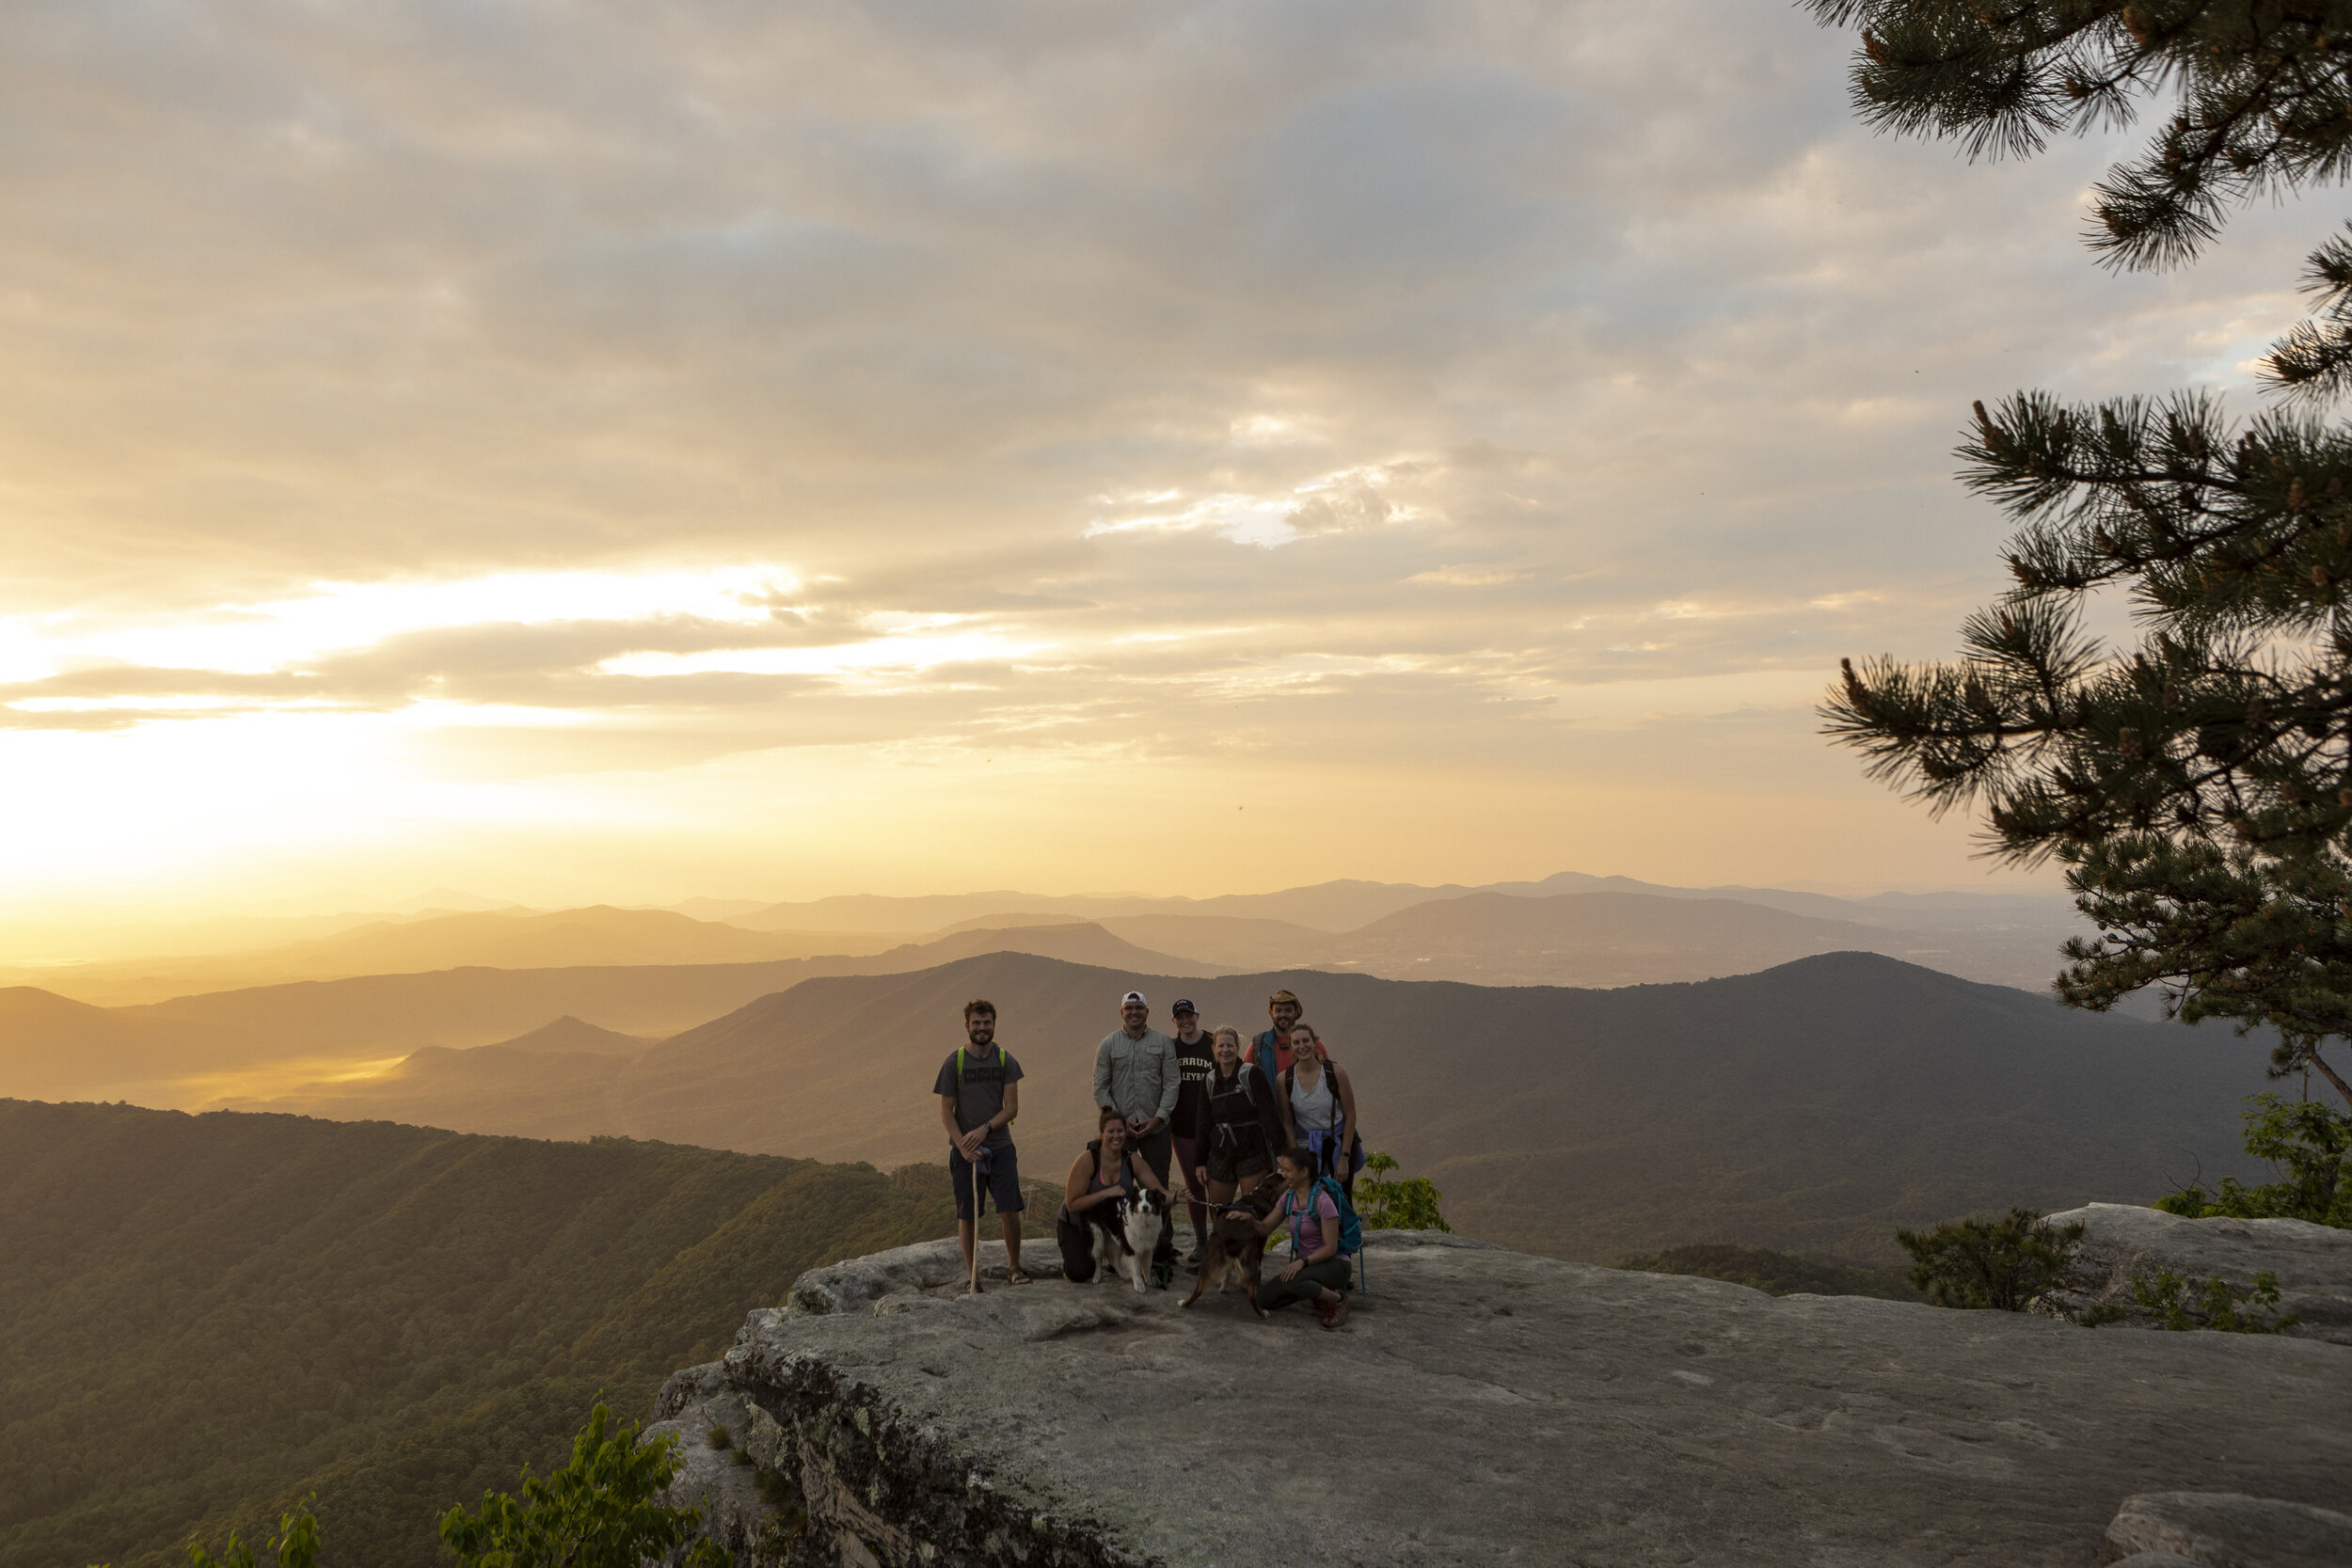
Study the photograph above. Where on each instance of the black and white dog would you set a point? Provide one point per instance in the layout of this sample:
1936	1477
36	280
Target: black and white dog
1125	1248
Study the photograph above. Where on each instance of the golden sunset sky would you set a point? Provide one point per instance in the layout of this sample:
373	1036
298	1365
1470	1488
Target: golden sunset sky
618	452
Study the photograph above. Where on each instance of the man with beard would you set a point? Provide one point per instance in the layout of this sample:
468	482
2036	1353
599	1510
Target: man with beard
980	1094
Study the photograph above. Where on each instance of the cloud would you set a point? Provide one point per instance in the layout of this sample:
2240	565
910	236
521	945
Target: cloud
1468	577
1362	366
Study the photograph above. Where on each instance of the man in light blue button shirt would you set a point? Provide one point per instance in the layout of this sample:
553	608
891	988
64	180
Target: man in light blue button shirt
1136	1074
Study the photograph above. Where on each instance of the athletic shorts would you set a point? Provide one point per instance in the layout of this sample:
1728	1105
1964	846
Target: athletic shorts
1002	1181
1236	1160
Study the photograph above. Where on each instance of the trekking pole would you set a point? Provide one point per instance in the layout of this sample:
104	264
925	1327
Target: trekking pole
975	1225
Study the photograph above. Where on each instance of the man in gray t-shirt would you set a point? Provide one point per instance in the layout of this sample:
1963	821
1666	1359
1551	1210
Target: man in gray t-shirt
980	1094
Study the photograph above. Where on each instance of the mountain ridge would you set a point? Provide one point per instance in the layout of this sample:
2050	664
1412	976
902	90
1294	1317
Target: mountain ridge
1812	1107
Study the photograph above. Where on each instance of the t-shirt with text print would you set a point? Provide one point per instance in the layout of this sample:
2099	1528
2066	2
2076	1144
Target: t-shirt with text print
979	1089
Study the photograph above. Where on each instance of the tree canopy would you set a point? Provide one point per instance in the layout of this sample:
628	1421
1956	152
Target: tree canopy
2199	783
2263	97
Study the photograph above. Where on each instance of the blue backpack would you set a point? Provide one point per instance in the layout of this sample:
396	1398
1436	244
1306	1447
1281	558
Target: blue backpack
1351	1228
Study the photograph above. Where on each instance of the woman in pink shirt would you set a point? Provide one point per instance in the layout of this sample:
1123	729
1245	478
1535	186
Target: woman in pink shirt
1318	1270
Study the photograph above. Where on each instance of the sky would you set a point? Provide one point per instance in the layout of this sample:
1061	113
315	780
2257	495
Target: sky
582	452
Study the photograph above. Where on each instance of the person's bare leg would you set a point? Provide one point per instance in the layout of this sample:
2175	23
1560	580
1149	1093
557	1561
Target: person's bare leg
1013	1249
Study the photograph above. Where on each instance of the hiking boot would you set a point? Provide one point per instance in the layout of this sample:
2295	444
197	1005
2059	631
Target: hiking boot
1323	1312
1192	1260
1334	1314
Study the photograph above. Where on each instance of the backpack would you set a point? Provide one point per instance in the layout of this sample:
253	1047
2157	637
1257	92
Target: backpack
1355	1154
1351	1228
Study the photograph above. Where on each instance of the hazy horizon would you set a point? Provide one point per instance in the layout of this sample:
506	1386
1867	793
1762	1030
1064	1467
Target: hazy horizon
459	899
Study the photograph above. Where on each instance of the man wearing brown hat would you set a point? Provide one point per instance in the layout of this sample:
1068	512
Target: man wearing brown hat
1271	1051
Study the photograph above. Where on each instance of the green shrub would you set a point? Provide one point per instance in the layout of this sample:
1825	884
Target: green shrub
2309	1144
602	1510
1388	1203
2219	1305
718	1437
2001	1262
294	1546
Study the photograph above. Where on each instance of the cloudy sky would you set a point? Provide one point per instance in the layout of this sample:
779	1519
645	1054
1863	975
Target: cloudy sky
577	450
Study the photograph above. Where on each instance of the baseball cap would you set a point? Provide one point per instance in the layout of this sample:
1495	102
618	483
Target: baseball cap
1134	998
1184	1004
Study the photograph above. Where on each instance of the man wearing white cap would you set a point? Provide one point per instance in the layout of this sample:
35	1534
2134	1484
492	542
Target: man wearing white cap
1136	1074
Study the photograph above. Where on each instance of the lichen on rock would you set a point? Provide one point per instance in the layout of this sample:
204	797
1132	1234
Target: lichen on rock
2122	1244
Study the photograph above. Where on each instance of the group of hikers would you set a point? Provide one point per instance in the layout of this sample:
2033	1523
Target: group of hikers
1222	1112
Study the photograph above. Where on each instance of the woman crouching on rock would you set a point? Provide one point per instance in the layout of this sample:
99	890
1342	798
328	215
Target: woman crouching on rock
1318	1270
1104	1171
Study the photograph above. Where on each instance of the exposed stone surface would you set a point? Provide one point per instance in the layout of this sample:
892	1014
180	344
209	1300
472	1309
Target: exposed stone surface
1481	1406
2313	1262
2228	1529
855	1284
719	1481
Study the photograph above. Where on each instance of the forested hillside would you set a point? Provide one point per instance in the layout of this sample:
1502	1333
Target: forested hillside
210	1316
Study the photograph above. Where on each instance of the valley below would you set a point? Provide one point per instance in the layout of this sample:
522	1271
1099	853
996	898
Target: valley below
1752	1067
421	1218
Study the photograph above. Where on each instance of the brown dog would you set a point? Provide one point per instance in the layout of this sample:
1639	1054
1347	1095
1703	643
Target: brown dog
1235	1249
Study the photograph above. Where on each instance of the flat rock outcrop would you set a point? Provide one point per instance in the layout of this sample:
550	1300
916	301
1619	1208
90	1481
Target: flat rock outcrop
2227	1529
2122	1242
1480	1406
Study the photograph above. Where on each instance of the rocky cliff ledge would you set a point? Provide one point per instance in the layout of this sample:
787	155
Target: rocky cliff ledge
1484	1406
2122	1244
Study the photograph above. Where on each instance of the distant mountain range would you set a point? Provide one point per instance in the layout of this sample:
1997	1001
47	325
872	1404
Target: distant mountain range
1344	905
217	1046
500	939
599	937
1814	1106
1568	930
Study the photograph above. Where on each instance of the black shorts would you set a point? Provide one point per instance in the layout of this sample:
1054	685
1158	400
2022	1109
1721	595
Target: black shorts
1003	1181
1236	1160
